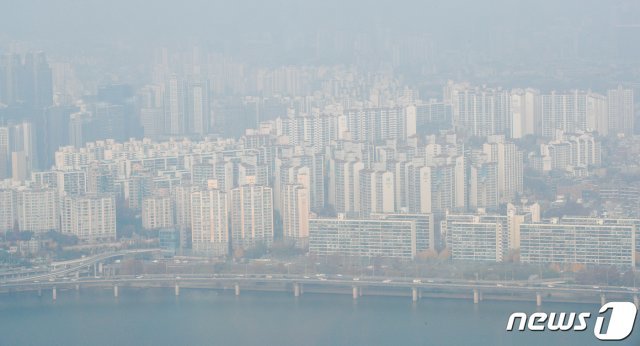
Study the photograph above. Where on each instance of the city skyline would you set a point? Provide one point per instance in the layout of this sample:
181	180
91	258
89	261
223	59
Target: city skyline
432	150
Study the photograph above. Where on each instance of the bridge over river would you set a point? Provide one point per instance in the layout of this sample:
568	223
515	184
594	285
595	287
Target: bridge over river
414	289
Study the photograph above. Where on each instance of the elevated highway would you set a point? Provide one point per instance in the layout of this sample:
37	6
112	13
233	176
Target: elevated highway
57	269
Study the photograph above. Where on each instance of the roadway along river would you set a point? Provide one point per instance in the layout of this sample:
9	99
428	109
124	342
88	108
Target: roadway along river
201	317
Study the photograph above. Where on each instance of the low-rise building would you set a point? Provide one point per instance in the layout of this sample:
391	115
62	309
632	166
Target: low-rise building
363	238
590	243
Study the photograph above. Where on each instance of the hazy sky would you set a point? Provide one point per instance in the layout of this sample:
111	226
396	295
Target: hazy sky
496	31
63	19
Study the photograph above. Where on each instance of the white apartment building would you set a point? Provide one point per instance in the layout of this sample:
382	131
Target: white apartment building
37	210
91	218
251	216
209	225
295	214
157	212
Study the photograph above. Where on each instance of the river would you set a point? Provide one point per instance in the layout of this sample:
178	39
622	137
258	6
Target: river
203	317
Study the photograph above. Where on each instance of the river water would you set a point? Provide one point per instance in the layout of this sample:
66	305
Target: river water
202	317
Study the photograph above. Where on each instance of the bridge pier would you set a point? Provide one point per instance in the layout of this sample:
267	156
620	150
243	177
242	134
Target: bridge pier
54	293
476	296
603	299
100	268
296	289
237	289
414	294
115	291
77	287
636	301
354	292
538	299
39	292
177	289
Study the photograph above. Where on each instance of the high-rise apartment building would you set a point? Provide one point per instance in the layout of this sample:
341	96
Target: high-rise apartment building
483	185
175	106
197	108
251	216
480	111
37	210
572	112
26	80
209	223
345	185
509	160
91	218
620	111
377	192
295	214
525	112
7	209
157	212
